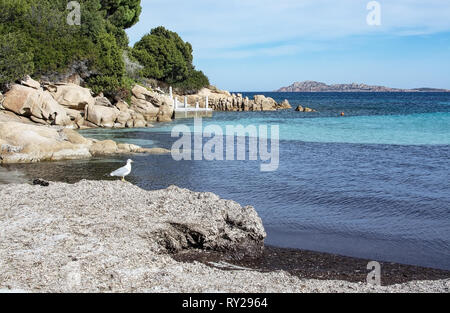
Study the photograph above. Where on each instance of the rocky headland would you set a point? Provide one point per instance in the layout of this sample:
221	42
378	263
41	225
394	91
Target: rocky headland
115	237
313	86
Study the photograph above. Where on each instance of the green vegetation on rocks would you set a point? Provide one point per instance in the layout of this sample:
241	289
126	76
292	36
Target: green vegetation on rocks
37	40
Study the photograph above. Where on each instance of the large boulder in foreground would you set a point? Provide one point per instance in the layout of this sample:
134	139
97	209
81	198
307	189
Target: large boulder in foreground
220	100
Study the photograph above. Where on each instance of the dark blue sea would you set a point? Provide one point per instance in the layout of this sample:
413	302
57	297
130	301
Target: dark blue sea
372	184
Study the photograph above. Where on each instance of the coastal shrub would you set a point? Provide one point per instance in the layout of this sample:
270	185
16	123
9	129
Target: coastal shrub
15	61
167	58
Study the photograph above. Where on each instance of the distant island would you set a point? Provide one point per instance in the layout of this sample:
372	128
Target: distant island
313	86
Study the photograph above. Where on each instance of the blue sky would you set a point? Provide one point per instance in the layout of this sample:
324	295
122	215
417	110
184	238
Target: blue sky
261	45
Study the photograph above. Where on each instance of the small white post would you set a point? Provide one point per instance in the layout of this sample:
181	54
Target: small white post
197	105
206	102
185	102
175	100
170	92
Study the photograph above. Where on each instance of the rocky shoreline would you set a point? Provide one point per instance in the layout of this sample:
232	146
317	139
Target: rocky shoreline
313	86
73	106
220	100
115	237
37	119
28	143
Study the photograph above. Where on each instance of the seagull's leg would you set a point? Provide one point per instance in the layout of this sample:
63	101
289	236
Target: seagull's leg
123	179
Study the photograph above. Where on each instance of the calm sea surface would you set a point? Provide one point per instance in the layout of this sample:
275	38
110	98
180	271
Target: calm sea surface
373	184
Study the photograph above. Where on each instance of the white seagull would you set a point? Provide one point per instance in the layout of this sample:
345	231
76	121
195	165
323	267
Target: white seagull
123	171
